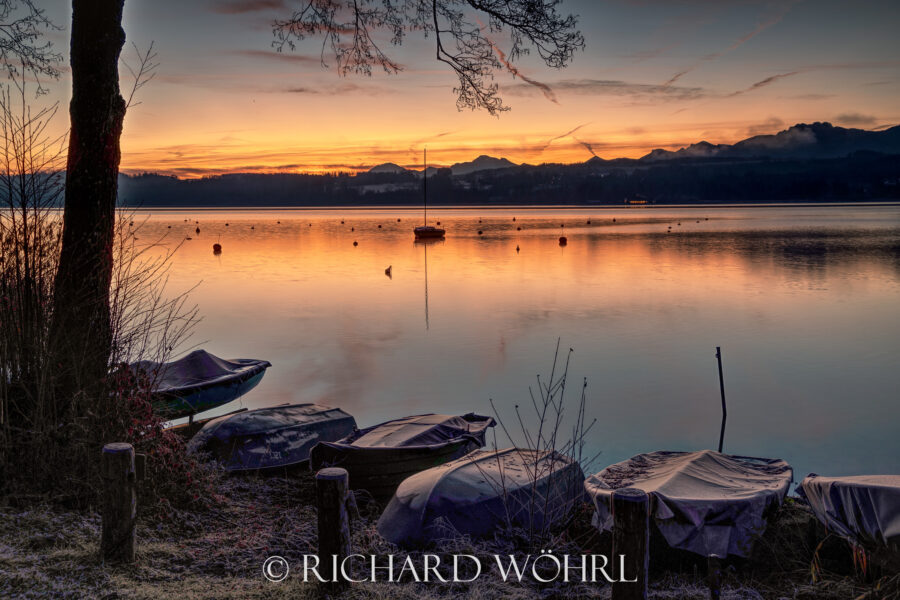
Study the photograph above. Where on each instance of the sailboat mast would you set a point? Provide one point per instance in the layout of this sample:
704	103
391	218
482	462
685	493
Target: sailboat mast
426	286
425	185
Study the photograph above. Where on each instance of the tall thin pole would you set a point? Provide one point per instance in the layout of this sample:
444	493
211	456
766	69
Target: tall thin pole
426	285
425	185
722	392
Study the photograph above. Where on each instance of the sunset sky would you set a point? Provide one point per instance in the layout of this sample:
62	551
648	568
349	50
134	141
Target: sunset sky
224	101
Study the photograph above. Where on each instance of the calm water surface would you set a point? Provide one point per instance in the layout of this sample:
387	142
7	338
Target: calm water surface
805	302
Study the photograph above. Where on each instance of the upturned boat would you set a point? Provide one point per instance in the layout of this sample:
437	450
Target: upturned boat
273	437
481	493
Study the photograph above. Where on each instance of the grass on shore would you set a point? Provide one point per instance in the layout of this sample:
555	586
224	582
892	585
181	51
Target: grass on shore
52	553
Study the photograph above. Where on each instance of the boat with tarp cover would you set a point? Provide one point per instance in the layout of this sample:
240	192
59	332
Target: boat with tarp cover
379	458
481	493
273	437
200	381
704	502
864	509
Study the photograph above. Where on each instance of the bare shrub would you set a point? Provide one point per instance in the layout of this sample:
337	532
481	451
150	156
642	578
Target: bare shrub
50	445
546	443
31	184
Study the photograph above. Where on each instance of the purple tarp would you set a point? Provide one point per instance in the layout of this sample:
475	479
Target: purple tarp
704	502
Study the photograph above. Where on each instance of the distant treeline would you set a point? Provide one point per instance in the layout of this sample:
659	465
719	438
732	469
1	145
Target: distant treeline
857	177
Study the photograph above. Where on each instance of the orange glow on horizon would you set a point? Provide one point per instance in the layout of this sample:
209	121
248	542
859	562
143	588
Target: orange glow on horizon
195	160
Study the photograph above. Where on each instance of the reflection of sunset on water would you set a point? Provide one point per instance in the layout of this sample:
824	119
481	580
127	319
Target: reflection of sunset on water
643	308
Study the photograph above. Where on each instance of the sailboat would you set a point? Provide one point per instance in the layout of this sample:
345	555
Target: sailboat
426	231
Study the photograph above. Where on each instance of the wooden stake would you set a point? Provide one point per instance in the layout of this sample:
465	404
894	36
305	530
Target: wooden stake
714	576
722	392
631	543
334	524
119	503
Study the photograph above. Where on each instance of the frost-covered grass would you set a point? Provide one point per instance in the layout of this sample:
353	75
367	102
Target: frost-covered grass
52	553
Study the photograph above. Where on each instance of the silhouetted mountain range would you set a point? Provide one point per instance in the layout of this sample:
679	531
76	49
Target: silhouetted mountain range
807	162
802	141
482	163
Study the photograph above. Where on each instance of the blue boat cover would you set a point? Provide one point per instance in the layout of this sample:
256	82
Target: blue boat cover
704	502
480	493
199	369
276	436
864	509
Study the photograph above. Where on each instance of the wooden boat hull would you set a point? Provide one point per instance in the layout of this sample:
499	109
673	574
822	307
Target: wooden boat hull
380	469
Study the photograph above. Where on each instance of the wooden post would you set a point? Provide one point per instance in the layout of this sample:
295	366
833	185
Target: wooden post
631	543
714	576
334	524
119	503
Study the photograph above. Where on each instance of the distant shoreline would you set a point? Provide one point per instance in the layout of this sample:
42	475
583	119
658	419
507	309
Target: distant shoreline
301	208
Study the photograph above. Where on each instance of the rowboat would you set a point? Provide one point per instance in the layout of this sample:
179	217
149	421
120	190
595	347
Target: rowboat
864	509
199	381
379	458
273	437
704	502
481	493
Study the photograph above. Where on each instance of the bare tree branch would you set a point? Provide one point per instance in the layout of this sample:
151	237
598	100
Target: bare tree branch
22	25
351	31
143	73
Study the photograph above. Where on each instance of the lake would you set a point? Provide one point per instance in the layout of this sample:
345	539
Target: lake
803	300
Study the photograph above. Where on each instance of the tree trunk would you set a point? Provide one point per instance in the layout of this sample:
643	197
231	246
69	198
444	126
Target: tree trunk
81	312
